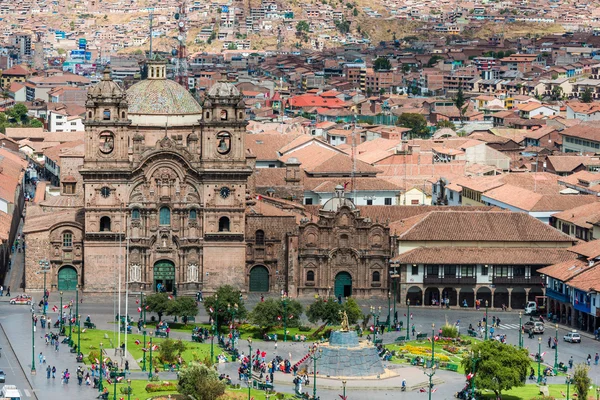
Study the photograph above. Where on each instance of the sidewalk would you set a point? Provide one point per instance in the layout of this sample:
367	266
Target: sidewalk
14	276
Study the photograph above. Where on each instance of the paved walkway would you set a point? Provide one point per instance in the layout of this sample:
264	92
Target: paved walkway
14	276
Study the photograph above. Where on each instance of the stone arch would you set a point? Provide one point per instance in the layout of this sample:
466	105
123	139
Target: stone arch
500	297
467	295
483	294
68	278
343	284
431	294
518	298
414	294
258	279
451	295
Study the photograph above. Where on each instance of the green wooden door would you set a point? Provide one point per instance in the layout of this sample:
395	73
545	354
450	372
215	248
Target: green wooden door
67	279
164	276
259	279
343	285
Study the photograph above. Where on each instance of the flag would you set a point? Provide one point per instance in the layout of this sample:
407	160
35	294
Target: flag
346	185
147	308
139	309
291	316
371	328
65	306
170	297
543	354
411	315
105	359
212	310
470	375
137	342
259	197
422	390
55	309
155	347
436	338
343	397
97	361
144	350
83	330
433	390
119	378
137	301
279	318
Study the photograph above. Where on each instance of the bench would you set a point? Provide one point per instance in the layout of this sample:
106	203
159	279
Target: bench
262	385
122	329
197	338
161	334
89	325
170	367
191	319
421	336
401	339
472	332
452	367
377	341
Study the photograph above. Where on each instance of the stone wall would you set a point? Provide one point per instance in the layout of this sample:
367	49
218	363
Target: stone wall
37	248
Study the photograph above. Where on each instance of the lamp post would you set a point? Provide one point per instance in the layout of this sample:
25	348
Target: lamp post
33	371
78	322
486	320
101	369
430	372
375	319
233	311
250	368
597	392
407	318
45	266
555	348
389	311
520	329
70	324
315	356
215	318
539	360
60	314
128	389
142	308
344	390
150	370
284	300
432	344
114	371
568	385
144	353
474	368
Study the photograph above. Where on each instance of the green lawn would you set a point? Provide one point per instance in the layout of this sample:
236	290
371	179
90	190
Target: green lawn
91	339
530	391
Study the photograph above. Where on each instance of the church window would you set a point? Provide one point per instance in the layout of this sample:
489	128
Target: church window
123	114
105	224
165	216
241	115
106	115
376	276
107	142
223	142
207	115
89	114
67	238
223	115
135	213
223	224
135	273
193	214
69	188
310	276
260	238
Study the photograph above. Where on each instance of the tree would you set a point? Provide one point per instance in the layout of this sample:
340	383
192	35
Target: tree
343	26
226	295
355	12
586	96
18	113
382	64
302	26
36	123
499	368
557	93
182	306
270	313
353	311
369	92
232	46
328	311
169	350
382	91
581	380
445	124
415	122
158	303
200	382
433	60
460	101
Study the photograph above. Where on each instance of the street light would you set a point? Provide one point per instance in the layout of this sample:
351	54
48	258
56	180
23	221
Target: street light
407	318
233	310
520	329
597	392
128	389
475	360
344	390
70	324
33	372
78	319
150	371
555	348
432	344
568	385
144	353
250	368
486	320
389	311
115	371
45	266
375	320
215	318
315	356
101	369
284	300
60	313
539	360
430	372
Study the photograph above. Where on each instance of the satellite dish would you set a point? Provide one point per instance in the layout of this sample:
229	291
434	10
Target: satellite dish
173	61
174	52
176	15
180	38
181	24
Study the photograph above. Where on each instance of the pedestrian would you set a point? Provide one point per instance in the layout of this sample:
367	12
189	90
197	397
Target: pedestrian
126	367
40	356
275	344
571	362
589	359
56	345
596	358
549	341
53	372
79	376
414	329
8	291
48	371
1	290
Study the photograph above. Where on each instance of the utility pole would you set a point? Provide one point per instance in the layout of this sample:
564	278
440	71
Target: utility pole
151	9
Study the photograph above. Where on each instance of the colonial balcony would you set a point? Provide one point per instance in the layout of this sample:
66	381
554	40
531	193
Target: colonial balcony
450	280
517	280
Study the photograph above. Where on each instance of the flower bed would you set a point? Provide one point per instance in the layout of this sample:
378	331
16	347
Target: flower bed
161	387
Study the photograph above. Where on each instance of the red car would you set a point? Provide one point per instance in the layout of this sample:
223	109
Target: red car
21	299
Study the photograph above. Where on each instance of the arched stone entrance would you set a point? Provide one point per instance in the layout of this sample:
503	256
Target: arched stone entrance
432	295
484	294
518	298
67	278
259	279
450	294
164	276
500	297
414	294
343	285
468	295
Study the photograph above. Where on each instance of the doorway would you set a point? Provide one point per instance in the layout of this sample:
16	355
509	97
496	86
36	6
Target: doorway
259	279
343	285
67	279
164	276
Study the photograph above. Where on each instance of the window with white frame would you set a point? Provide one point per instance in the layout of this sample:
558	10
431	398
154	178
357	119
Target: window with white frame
192	273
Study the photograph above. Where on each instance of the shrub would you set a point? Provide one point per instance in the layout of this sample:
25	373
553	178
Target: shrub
303	328
94	354
161	387
449	331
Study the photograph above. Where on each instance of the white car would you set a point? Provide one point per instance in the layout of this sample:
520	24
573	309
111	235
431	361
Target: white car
572	337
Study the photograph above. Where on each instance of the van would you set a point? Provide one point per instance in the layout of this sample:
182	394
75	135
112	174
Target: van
10	392
530	308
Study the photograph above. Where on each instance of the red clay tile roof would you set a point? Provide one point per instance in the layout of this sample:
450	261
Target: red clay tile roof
495	256
494	226
581	215
265	146
583	131
565	270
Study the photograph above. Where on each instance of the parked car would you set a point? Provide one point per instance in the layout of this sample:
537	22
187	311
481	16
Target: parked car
2	376
21	299
533	326
572	337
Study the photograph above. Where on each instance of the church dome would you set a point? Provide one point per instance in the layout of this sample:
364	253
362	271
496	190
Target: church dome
223	89
106	88
161	96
